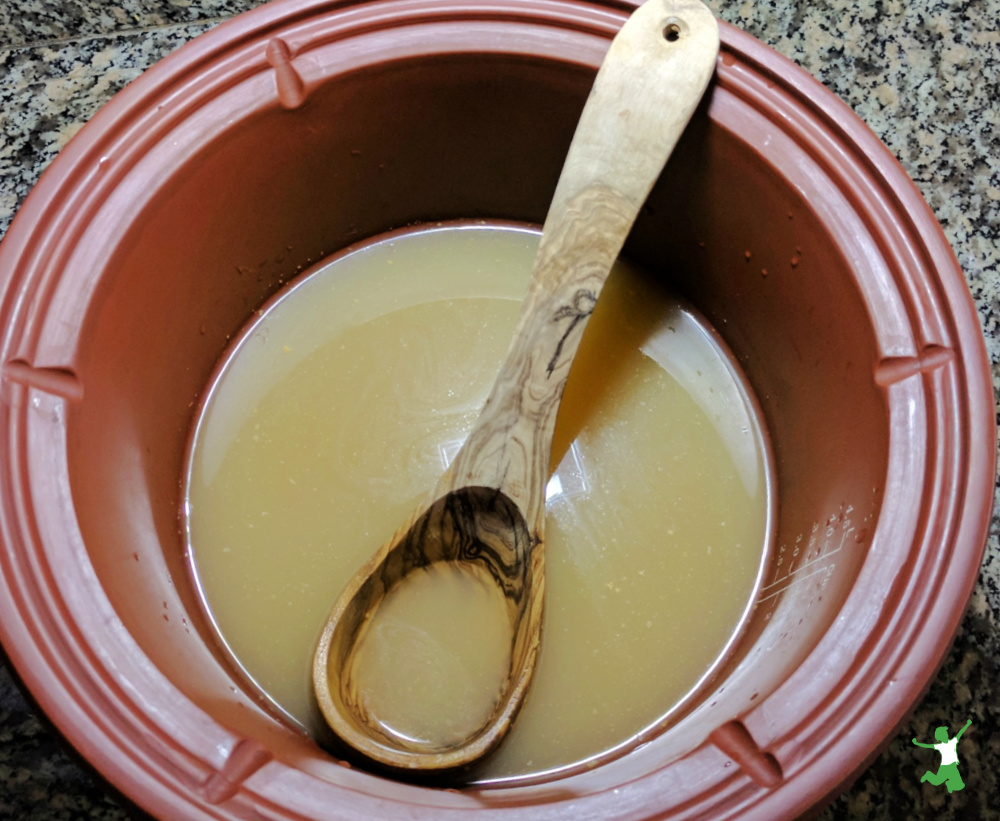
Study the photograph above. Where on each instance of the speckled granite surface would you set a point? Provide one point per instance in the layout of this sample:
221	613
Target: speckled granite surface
925	75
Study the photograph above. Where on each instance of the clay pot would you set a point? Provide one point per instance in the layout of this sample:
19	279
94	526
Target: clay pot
306	125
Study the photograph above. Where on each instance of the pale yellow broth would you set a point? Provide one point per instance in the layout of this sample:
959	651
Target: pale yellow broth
432	663
337	412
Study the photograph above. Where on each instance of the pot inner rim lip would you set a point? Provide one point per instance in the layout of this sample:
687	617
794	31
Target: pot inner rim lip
64	182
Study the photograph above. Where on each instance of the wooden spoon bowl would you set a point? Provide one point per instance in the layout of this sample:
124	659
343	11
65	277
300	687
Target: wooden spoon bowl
471	524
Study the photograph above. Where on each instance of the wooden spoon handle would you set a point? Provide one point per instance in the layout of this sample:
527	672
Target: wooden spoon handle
644	95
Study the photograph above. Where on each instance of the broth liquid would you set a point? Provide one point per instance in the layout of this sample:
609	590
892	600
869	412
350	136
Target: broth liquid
433	661
337	412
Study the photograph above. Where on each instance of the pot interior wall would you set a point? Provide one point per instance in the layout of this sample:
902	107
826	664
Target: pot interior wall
463	136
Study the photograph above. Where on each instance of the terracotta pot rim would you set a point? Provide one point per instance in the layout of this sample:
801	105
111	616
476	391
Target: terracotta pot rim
108	722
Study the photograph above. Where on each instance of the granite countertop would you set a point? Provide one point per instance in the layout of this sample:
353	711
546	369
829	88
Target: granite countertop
924	75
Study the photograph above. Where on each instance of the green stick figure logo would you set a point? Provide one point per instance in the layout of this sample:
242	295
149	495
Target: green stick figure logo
947	773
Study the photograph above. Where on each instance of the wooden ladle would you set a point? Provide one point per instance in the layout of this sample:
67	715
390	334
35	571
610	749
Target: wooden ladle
489	506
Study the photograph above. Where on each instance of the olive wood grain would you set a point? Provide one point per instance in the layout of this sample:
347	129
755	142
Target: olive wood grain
489	506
